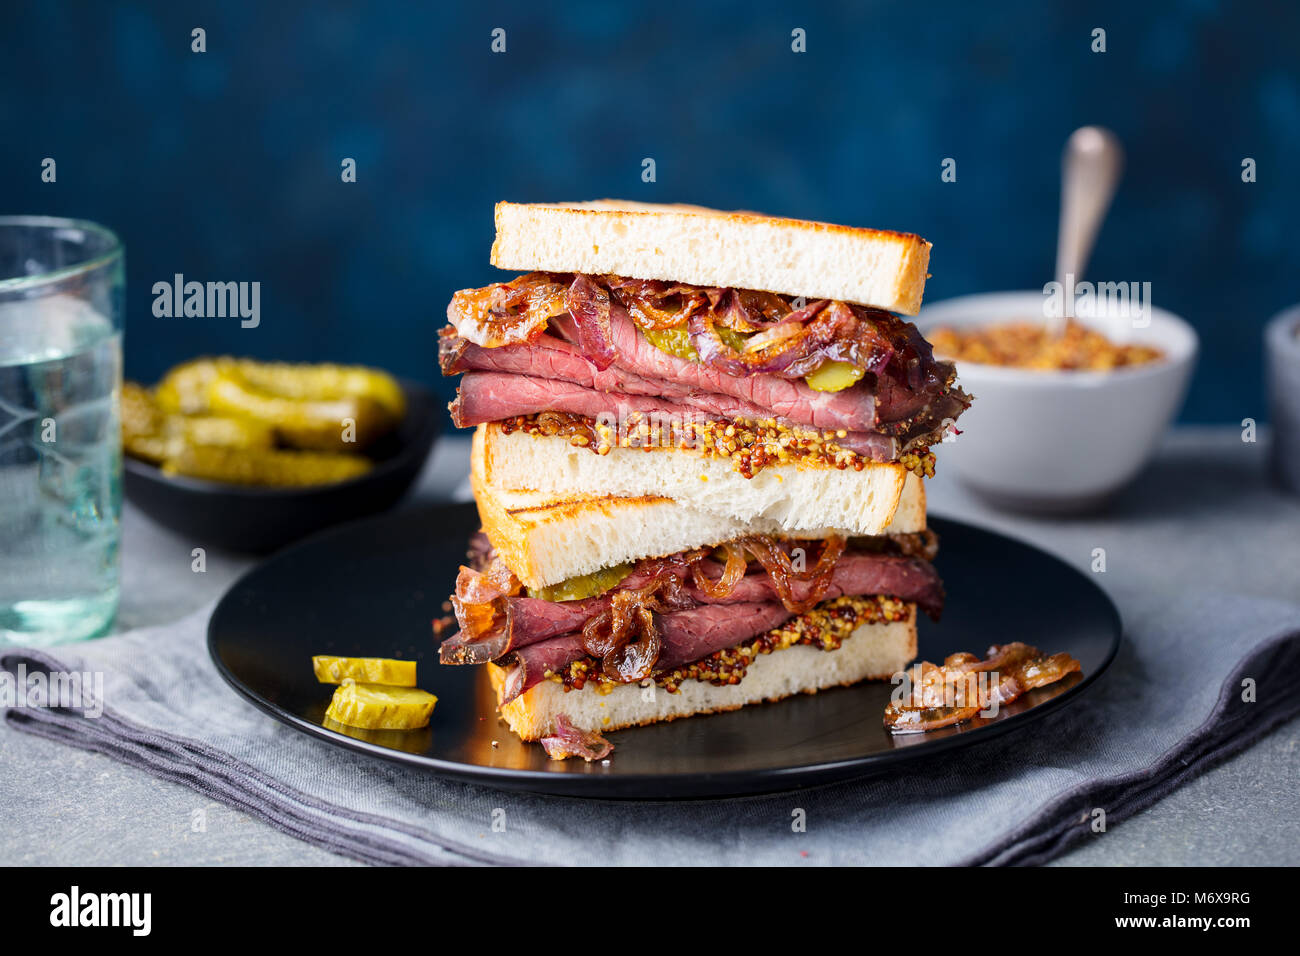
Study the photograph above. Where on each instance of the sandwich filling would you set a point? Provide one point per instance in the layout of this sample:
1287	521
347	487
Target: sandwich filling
825	628
700	614
859	382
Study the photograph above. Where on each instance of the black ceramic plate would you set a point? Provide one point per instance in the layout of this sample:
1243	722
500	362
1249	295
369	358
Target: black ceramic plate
258	520
372	588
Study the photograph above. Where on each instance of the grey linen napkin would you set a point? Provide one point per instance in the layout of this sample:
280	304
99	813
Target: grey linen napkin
1171	705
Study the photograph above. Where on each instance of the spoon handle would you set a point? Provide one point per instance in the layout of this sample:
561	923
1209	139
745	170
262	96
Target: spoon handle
1090	172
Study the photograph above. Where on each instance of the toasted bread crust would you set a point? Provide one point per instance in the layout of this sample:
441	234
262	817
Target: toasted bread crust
708	247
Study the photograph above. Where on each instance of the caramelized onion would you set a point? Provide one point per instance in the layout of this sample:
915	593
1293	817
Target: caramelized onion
481	587
781	570
732	572
507	312
625	635
954	692
920	719
773	335
654	304
480	606
747	309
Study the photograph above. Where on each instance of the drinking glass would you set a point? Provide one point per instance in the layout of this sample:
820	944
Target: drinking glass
61	302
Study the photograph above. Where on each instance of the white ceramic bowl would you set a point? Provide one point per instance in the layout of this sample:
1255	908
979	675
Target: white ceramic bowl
1059	441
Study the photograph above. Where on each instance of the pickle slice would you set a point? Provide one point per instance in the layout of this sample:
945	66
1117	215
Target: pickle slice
315	424
834	376
276	469
142	424
378	707
674	341
226	432
730	337
307	405
584	585
184	389
324	382
153	434
369	670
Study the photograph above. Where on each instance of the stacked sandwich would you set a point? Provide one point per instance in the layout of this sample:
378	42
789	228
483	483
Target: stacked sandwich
699	446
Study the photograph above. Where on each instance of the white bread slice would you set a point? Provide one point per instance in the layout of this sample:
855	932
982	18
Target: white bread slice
545	537
785	497
698	246
873	651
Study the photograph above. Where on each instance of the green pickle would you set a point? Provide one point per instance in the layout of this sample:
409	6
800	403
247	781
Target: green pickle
264	467
830	377
380	707
317	382
226	432
248	422
184	389
142	424
584	585
315	424
153	434
834	376
735	340
674	341
306	405
369	670
677	341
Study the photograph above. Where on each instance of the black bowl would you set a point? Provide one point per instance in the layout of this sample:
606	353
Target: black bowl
258	520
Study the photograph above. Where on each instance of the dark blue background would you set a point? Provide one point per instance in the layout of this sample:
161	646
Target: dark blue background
225	165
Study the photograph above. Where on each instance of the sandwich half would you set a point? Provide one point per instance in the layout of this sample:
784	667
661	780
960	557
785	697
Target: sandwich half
699	446
614	612
743	365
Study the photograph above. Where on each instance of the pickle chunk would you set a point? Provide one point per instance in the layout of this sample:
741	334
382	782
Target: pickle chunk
184	389
834	376
315	382
266	467
223	432
368	670
154	434
584	585
348	422
307	406
380	707
143	424
675	341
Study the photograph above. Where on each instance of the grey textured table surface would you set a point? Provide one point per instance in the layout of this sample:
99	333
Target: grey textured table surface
1212	518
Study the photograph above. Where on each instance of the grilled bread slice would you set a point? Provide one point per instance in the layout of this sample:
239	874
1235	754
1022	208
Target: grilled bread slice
780	498
705	247
548	536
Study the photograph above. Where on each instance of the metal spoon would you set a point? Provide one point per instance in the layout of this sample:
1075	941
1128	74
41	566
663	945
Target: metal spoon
1090	171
